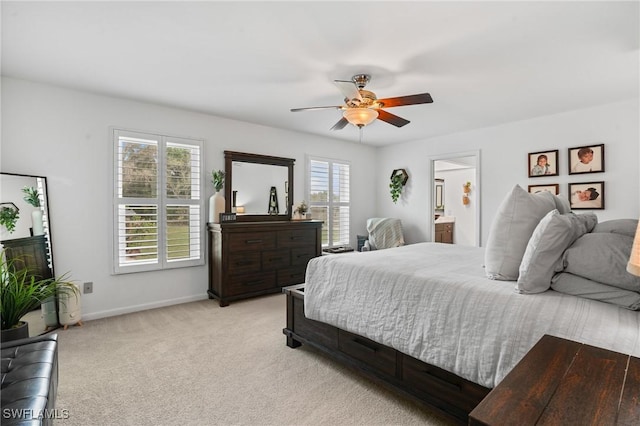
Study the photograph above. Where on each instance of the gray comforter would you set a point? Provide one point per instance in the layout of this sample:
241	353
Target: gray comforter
433	302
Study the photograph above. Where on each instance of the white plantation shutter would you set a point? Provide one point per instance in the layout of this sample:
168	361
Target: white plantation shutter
329	199
154	228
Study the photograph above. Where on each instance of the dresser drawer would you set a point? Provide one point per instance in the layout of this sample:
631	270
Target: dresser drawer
302	255
428	379
296	238
291	276
252	241
381	357
275	259
243	263
248	283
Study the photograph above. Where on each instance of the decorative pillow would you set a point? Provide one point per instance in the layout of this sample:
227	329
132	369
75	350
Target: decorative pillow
577	286
543	256
602	257
618	226
514	222
562	204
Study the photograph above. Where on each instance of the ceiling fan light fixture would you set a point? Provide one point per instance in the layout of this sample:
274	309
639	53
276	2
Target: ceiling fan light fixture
360	117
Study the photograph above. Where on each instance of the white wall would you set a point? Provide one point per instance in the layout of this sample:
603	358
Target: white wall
503	163
63	135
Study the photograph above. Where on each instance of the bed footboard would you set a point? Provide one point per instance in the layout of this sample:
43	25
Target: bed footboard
431	386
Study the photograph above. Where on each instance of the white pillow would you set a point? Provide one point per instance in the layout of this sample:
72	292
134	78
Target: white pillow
514	222
543	256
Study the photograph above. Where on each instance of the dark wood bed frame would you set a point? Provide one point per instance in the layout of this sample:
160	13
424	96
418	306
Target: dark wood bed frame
426	384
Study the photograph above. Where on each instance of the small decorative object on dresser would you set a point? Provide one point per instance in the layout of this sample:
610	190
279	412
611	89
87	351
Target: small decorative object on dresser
301	211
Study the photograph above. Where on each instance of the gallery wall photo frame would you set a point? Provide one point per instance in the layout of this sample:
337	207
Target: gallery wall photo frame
586	159
553	188
543	163
586	195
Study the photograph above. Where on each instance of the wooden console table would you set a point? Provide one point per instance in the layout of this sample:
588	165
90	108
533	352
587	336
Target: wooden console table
561	382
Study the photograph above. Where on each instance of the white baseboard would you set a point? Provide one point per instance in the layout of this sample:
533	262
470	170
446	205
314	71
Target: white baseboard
143	307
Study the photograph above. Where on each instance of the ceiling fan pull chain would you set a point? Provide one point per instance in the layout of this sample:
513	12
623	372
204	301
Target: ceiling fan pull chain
360	128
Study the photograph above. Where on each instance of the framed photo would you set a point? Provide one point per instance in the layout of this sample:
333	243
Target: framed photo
586	195
553	188
544	163
586	159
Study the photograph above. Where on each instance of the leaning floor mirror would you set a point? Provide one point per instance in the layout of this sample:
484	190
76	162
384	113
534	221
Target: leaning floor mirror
25	236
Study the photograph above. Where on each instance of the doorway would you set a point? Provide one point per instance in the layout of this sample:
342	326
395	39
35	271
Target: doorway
450	202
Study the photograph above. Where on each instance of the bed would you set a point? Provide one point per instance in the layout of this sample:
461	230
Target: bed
460	314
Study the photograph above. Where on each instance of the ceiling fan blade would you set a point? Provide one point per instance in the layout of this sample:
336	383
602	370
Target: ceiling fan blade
422	98
391	119
348	89
340	124
318	107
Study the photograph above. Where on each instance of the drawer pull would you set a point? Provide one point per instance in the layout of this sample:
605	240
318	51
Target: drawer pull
303	255
366	346
442	381
252	283
274	259
244	262
296	238
253	241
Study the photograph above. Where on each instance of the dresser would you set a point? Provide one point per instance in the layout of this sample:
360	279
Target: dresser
444	232
30	253
249	259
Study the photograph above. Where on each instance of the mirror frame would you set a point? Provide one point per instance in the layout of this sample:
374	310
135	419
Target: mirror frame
46	211
230	157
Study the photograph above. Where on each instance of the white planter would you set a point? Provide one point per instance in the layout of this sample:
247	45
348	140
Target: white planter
216	206
36	222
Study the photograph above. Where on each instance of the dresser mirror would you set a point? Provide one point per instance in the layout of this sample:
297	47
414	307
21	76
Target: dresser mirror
258	187
29	238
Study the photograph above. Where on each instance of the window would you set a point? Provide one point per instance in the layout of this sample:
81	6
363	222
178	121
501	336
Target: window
329	200
158	206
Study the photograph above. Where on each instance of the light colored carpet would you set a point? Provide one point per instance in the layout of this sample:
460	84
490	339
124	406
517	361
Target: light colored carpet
199	364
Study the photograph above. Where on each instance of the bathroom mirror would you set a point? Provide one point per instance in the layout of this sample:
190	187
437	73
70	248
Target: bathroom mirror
258	187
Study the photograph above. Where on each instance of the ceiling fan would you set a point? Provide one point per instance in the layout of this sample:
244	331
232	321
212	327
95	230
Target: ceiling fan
362	106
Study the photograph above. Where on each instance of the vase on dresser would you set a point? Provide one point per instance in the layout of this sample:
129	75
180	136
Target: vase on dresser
37	223
216	206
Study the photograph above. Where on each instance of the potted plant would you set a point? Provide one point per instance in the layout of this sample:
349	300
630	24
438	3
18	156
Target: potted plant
20	293
301	210
32	197
217	201
9	214
399	179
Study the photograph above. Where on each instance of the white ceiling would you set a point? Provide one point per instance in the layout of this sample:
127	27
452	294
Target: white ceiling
484	63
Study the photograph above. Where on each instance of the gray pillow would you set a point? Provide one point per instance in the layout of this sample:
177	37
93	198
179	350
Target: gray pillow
577	286
618	226
602	257
562	204
543	256
514	222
